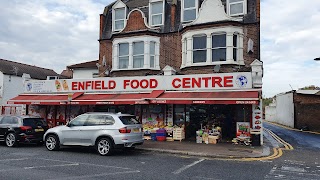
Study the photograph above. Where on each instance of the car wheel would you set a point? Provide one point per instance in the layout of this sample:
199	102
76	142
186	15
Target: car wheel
11	140
104	146
52	143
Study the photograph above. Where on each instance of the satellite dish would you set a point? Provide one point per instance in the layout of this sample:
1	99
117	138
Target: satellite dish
98	65
216	68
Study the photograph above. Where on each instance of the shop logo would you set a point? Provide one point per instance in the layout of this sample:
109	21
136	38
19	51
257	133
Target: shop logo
242	81
29	87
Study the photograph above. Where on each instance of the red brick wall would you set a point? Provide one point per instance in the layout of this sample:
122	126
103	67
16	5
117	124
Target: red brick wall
307	111
135	22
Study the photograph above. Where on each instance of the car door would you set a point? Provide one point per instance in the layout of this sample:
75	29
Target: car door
71	135
92	128
5	125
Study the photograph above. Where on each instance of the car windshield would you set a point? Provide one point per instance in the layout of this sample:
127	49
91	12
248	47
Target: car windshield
34	122
126	120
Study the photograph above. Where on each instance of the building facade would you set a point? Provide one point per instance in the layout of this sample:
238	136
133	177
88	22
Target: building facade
190	64
13	75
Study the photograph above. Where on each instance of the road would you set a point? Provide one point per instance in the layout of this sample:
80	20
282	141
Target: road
35	162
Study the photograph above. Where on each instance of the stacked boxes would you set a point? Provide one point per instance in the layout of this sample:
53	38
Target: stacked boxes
178	134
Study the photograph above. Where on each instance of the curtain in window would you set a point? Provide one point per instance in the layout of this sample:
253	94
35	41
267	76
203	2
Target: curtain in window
123	55
156	13
152	54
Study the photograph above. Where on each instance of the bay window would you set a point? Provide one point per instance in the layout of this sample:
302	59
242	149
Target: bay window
136	53
123	55
223	45
219	48
199	49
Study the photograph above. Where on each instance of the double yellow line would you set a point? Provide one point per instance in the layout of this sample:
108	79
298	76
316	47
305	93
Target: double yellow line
277	152
286	145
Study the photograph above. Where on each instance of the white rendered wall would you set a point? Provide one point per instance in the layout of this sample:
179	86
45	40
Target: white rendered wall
270	113
285	109
12	87
84	73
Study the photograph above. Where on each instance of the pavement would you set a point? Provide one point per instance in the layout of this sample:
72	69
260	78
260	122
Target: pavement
225	150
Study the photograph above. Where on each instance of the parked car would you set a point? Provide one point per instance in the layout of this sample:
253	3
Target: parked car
22	129
102	130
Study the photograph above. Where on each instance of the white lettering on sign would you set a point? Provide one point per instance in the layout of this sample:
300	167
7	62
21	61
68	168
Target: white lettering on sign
109	102
246	102
226	81
198	102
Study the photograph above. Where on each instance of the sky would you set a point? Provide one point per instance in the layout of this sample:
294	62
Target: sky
56	33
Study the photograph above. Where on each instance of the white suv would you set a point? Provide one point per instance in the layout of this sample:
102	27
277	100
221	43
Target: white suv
103	130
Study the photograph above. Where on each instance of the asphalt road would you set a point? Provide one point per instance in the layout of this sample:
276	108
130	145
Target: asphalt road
35	162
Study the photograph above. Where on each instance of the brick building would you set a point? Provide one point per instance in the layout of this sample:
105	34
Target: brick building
186	63
296	109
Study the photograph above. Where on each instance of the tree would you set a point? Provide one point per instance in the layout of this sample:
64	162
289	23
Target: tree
311	87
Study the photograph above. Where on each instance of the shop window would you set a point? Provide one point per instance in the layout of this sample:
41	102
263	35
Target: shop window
156	13
189	10
179	115
199	49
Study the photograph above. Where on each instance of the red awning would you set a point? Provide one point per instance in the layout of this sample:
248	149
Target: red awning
234	97
44	99
128	98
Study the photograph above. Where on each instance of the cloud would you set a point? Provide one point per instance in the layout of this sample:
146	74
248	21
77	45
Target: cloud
51	33
289	42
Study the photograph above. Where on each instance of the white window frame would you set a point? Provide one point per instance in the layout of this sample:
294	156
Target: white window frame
183	9
187	46
127	55
150	12
147	41
244	11
119	5
193	49
221	47
135	55
152	55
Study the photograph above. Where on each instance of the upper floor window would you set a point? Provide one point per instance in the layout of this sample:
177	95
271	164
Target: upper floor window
189	10
136	53
237	7
119	19
199	48
156	12
212	46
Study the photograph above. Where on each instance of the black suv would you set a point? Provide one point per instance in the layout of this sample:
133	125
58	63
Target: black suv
22	129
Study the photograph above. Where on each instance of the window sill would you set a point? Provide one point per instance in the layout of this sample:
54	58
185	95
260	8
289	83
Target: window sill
211	64
135	69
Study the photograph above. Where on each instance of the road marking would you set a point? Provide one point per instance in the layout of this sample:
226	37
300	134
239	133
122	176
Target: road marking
188	166
21	159
87	164
290	128
59	165
96	175
285	144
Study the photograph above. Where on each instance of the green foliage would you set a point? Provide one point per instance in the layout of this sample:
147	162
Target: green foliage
311	87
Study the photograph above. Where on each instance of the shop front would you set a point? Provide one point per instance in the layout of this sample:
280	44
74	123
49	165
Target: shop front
185	106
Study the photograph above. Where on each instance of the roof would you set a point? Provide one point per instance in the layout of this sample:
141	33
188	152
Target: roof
143	5
88	64
308	92
14	68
